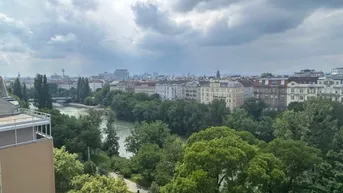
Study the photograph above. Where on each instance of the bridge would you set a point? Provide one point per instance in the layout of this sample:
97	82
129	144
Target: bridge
57	99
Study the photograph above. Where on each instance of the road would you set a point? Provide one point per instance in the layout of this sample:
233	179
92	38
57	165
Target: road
133	187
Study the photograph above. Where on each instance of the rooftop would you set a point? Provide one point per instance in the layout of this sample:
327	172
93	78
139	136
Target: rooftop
22	119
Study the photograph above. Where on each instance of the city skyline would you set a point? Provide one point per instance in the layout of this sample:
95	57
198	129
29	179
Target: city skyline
90	37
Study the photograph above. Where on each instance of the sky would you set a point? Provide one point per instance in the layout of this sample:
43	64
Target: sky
87	37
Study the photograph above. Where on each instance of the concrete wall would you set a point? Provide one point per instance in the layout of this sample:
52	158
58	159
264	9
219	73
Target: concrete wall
23	135
28	168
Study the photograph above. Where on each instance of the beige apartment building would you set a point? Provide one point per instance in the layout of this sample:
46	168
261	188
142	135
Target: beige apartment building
26	151
232	92
145	87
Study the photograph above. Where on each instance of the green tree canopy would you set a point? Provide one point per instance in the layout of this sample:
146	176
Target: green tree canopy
219	160
66	168
98	184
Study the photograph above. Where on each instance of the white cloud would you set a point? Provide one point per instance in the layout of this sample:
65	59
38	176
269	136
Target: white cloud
63	38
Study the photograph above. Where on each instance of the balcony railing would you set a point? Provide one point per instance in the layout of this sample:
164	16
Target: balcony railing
27	126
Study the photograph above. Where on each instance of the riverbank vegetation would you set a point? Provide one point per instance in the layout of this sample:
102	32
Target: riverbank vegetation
247	150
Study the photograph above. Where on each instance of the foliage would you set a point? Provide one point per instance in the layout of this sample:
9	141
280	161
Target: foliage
17	90
42	93
154	188
262	129
82	89
218	160
76	134
147	159
297	157
255	108
145	133
66	167
89	167
316	125
98	184
111	145
182	117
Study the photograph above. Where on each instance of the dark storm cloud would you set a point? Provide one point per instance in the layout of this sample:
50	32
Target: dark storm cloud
255	19
149	16
160	43
201	5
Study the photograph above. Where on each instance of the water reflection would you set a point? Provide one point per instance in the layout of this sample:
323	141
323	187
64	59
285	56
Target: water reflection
123	128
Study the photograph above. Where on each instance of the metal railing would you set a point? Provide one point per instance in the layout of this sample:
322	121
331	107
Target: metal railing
35	116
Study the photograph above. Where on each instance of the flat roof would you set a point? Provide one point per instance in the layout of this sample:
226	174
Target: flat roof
19	121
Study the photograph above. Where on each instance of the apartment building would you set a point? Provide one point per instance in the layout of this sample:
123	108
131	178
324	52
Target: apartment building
95	84
145	87
248	88
26	151
308	73
331	87
300	89
121	74
272	90
232	92
191	91
169	90
124	86
337	71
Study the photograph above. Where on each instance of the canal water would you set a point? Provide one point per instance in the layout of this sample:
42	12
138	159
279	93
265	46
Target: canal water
123	128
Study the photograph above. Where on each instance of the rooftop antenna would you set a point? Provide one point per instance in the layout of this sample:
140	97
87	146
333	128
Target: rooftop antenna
63	73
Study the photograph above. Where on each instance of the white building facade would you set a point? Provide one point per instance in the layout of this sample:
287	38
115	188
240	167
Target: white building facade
191	91
169	90
232	92
96	84
300	89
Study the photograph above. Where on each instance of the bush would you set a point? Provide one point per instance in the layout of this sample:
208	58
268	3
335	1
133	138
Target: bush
89	168
126	172
118	163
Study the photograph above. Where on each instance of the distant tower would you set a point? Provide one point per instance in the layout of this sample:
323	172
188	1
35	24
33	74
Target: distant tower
218	75
18	75
63	73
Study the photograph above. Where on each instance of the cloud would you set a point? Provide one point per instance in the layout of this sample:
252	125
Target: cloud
199	36
63	38
149	16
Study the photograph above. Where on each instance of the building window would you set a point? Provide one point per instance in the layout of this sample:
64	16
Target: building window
301	90
292	97
292	90
266	82
282	82
301	98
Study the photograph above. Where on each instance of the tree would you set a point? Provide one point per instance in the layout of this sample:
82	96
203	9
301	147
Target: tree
255	107
98	184
315	125
219	160
42	94
296	106
111	145
66	168
17	90
154	188
24	93
218	112
147	159
147	133
297	157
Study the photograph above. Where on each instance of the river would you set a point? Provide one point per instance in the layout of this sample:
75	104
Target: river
123	128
